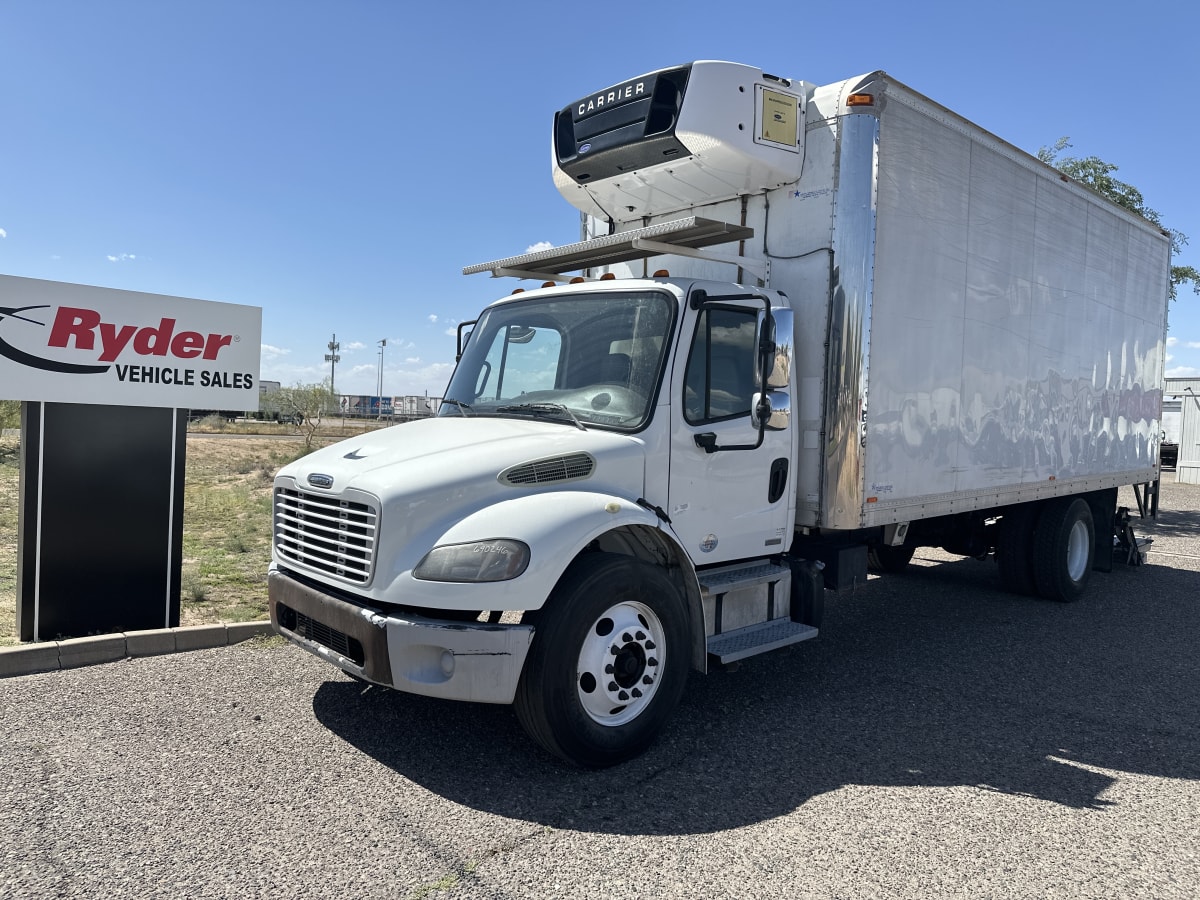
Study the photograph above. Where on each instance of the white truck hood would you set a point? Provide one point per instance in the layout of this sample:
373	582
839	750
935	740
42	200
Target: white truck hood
429	453
426	476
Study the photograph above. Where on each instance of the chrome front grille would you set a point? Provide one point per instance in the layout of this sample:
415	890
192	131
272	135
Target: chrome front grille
328	534
570	467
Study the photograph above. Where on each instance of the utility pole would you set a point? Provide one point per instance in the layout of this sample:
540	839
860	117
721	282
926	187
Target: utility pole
382	344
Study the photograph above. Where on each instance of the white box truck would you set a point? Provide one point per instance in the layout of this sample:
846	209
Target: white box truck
807	330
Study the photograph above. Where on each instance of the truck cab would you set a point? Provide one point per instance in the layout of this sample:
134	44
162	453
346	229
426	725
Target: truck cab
611	464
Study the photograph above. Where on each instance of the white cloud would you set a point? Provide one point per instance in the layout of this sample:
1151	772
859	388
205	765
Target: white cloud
271	352
1195	345
539	247
3	233
433	318
1183	372
122	257
412	361
353	345
451	332
1172	341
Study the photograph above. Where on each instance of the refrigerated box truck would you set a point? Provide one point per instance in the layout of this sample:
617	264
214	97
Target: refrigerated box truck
808	330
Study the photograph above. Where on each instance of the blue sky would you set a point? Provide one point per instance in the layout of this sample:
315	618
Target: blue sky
338	164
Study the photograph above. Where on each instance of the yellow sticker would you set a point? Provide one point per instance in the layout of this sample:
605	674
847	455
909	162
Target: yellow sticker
780	122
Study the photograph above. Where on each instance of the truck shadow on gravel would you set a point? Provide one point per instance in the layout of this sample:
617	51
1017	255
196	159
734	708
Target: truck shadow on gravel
934	678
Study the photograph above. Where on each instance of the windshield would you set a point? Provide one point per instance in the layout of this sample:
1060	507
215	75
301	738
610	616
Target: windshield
584	360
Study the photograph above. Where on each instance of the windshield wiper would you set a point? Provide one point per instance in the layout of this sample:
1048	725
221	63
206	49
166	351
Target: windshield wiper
543	408
462	407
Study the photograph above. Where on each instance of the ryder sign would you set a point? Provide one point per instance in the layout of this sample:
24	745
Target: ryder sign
68	343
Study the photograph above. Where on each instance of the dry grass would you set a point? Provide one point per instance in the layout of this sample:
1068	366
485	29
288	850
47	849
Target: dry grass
226	521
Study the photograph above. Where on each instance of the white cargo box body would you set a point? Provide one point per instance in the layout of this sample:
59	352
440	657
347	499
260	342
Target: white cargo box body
1017	325
972	330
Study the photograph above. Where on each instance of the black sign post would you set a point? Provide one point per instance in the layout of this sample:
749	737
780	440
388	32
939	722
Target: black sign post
100	543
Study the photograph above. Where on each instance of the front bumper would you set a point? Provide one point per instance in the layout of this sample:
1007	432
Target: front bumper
473	661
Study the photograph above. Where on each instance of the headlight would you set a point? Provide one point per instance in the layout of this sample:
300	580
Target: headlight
495	560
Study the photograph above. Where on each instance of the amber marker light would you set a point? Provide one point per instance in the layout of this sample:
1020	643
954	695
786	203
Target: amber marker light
578	279
662	273
518	290
547	284
860	100
608	276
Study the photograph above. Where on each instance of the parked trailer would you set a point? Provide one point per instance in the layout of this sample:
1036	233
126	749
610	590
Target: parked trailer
816	328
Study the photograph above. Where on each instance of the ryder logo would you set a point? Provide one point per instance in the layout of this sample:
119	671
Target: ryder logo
82	329
82	325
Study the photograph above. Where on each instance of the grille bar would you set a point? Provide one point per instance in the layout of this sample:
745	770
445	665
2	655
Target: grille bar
320	633
327	534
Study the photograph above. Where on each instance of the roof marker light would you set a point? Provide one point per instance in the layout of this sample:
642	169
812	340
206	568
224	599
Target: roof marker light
608	276
518	290
662	273
578	279
860	100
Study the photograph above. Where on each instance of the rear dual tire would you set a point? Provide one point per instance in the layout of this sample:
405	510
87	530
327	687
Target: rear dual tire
1064	548
1047	549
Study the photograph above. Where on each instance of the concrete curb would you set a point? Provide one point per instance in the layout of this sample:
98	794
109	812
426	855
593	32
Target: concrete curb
48	656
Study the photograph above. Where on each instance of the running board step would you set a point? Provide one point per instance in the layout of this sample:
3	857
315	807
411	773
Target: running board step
733	578
754	639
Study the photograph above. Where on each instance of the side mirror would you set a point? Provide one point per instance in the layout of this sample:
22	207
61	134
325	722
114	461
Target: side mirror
771	411
775	354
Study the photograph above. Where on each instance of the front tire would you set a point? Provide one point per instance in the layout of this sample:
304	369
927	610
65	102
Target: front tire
609	661
1064	547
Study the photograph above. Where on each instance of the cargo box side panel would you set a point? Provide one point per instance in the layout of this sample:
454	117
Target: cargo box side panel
918	318
1018	326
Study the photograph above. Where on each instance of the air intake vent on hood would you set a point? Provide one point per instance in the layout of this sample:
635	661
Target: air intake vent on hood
571	467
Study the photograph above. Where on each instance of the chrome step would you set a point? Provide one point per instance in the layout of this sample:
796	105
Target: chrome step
755	639
733	578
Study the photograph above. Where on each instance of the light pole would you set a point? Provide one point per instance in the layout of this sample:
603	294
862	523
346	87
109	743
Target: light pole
382	344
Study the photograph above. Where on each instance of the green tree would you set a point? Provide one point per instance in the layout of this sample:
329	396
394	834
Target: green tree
10	413
1095	173
306	405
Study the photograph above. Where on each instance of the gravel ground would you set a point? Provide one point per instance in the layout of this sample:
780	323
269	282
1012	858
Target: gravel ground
941	739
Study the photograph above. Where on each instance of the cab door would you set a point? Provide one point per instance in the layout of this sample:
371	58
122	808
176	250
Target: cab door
729	496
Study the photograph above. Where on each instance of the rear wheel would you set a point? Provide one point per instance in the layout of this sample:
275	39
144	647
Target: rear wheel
608	663
1064	544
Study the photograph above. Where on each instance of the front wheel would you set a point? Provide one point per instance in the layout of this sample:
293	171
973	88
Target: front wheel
608	663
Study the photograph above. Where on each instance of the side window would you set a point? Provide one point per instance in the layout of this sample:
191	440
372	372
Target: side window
520	361
719	381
